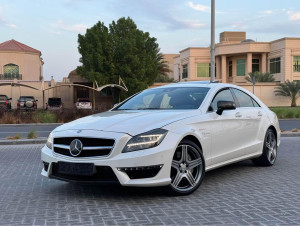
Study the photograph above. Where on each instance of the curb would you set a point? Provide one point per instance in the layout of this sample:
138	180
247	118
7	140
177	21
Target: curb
291	134
42	140
33	124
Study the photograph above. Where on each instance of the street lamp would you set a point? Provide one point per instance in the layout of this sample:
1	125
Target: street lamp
212	42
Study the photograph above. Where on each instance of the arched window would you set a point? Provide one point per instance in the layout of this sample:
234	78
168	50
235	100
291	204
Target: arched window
11	71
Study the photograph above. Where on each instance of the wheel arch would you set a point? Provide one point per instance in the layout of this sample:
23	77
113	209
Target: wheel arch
193	139
274	130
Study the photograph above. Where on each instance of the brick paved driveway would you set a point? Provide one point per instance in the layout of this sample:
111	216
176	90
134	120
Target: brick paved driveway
236	194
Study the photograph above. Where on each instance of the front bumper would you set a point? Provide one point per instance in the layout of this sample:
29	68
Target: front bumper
158	156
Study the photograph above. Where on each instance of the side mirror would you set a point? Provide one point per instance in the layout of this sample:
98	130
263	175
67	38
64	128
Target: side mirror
225	105
9	99
36	100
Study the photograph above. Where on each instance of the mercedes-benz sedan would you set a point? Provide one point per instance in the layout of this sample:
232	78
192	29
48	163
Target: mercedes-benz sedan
167	136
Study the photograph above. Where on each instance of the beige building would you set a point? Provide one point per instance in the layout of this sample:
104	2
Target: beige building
236	56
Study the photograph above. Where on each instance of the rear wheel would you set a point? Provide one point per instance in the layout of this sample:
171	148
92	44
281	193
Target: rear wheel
269	154
187	170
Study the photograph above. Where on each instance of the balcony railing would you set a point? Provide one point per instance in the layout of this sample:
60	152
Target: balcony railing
10	77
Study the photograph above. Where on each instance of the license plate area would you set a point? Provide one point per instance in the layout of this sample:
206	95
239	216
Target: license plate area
80	169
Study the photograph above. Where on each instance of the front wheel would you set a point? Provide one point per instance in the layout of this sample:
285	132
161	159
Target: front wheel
187	170
269	154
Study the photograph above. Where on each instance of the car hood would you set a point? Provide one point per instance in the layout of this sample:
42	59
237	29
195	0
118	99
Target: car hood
130	122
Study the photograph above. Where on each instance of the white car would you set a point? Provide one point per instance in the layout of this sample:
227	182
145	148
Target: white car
167	136
83	103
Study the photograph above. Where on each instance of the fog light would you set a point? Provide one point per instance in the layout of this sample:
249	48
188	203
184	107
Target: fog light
141	171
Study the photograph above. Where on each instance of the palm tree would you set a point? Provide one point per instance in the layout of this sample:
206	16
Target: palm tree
162	64
260	77
289	89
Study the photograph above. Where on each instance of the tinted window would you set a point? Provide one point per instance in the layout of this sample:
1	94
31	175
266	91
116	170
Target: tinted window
3	97
224	95
167	98
26	99
244	99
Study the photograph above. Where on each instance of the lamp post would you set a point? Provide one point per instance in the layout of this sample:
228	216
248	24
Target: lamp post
212	42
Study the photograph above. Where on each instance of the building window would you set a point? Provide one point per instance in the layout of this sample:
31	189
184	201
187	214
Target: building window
296	63
11	71
184	71
240	67
255	65
203	69
230	68
275	65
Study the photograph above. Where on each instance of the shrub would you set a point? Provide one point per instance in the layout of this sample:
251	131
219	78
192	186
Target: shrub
31	135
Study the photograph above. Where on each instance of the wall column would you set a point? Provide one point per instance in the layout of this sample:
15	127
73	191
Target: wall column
224	69
249	63
264	62
218	65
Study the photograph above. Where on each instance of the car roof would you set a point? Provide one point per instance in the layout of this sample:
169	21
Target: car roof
206	84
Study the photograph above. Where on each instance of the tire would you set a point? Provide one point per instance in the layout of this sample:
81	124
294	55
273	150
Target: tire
269	154
187	169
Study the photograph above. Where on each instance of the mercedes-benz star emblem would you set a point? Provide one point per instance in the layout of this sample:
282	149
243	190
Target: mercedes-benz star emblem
76	147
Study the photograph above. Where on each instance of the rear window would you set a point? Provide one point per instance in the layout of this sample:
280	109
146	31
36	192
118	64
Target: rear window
3	97
83	100
26	99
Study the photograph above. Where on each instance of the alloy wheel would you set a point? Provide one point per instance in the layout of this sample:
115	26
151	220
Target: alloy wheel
271	147
187	168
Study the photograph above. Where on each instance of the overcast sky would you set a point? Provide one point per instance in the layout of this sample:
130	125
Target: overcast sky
52	26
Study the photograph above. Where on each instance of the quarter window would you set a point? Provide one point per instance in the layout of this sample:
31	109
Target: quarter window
275	65
224	95
296	64
240	67
244	99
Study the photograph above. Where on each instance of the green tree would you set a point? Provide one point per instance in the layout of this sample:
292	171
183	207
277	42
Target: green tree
260	77
120	50
289	89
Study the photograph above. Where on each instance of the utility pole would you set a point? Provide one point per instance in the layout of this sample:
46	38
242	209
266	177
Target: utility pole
212	42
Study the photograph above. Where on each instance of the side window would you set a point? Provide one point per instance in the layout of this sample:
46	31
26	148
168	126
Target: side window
224	95
255	103
244	99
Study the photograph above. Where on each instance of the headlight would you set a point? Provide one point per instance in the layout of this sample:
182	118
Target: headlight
145	140
49	141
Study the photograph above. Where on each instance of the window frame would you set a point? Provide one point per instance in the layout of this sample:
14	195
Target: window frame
255	62
207	65
226	88
185	71
237	102
296	68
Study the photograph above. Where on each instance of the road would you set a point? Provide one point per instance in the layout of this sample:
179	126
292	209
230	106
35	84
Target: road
41	130
239	194
44	130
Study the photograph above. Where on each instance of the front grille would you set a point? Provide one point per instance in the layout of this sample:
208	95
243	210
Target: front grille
91	146
101	174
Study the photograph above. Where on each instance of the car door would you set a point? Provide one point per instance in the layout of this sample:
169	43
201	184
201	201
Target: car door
252	120
226	129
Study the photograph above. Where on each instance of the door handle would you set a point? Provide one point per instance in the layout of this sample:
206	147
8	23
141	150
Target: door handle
238	115
259	113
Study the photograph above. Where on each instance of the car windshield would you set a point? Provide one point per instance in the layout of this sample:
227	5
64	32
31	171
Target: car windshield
26	99
170	98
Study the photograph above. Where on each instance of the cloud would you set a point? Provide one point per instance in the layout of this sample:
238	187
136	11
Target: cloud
194	24
294	16
4	22
268	12
73	28
198	7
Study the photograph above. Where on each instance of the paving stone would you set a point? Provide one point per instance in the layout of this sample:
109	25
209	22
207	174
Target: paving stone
239	194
